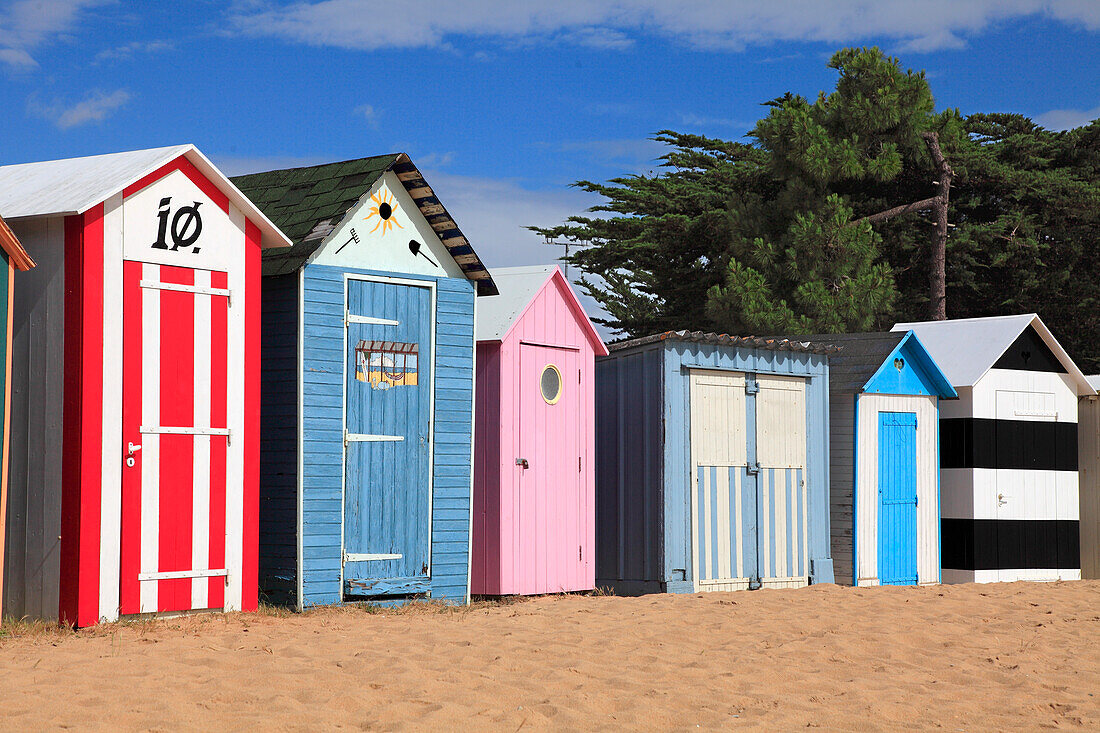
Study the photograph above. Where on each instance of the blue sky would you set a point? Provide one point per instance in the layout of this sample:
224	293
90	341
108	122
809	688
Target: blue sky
501	103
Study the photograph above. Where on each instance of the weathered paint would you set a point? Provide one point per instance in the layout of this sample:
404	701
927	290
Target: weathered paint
1089	471
321	439
647	488
165	537
534	524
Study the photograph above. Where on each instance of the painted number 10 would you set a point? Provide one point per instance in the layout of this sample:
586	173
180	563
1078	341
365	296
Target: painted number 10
186	226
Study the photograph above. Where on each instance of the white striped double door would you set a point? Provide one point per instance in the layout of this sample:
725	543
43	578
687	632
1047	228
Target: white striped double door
748	498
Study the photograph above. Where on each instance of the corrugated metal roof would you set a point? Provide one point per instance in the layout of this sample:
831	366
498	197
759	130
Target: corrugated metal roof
309	202
74	185
966	348
722	339
517	287
1094	380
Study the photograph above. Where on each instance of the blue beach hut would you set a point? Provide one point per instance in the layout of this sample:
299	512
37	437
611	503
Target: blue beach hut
712	464
367	386
884	393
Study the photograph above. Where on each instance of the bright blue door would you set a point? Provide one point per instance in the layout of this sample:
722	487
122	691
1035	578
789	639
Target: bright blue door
897	488
387	452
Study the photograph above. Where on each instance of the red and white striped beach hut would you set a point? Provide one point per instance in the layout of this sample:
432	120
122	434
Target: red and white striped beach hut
135	421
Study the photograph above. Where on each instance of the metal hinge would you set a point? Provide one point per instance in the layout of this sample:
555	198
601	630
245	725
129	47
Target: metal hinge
578	464
580	552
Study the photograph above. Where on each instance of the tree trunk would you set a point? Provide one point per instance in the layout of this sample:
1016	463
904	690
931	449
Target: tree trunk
937	300
937	260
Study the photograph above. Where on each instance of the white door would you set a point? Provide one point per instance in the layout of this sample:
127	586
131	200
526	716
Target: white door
1022	494
781	455
723	496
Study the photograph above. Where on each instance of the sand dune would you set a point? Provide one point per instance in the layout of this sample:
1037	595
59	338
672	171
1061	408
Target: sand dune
993	657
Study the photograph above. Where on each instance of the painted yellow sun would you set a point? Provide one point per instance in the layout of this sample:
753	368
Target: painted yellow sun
385	206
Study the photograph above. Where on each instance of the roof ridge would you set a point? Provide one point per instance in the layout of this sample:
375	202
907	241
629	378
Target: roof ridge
318	165
100	155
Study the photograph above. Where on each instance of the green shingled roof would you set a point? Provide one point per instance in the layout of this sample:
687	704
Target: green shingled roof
307	203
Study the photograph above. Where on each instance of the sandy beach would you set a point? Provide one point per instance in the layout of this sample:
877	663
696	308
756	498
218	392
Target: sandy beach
974	657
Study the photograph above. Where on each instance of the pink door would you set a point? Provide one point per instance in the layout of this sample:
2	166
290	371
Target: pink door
552	506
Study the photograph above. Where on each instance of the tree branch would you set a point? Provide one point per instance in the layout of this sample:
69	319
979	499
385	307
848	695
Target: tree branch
924	205
937	301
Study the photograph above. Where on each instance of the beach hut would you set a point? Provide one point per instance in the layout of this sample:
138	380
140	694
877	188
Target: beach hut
1088	436
1009	503
712	464
884	393
135	412
534	481
368	377
15	258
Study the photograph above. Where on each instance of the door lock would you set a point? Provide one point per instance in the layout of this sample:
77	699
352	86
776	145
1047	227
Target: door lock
522	462
1001	501
131	449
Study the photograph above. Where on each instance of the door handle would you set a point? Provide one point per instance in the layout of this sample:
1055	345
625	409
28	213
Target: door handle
1001	501
131	449
522	462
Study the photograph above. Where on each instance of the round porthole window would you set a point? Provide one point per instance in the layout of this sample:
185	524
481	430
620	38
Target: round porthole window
550	383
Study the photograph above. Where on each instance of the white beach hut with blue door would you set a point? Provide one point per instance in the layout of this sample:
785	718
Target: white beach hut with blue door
1009	499
884	504
367	386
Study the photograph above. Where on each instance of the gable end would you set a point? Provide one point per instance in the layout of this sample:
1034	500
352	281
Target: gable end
1030	353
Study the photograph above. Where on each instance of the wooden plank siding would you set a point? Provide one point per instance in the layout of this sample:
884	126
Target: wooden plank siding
1088	436
32	555
279	441
322	433
629	490
680	358
841	491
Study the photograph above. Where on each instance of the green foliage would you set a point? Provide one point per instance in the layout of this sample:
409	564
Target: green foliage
826	265
759	238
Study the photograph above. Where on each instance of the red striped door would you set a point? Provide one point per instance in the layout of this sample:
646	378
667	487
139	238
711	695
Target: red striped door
175	438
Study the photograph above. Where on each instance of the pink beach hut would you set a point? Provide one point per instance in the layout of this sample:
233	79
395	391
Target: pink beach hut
534	483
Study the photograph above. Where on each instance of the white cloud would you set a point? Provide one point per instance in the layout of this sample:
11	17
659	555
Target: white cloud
128	51
631	155
16	57
724	24
494	213
27	24
368	113
1065	119
95	107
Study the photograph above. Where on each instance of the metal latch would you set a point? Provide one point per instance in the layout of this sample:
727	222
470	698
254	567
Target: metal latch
522	462
753	468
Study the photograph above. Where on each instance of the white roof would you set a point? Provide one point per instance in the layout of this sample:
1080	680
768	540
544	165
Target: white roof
517	286
74	185
966	348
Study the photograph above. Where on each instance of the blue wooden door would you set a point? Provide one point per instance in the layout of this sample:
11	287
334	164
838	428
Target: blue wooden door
387	492
897	487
